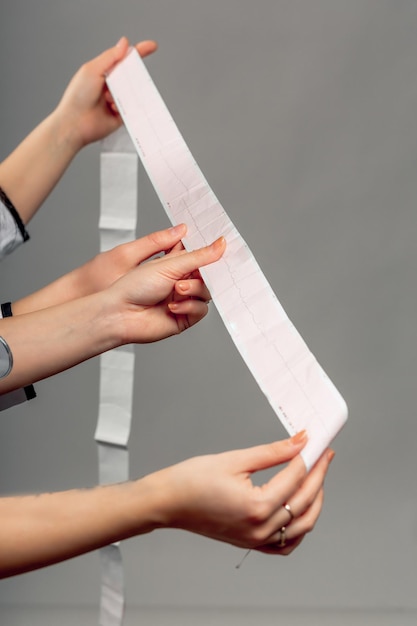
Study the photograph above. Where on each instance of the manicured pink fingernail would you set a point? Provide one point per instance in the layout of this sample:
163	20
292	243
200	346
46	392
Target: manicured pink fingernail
300	437
183	285
219	243
330	455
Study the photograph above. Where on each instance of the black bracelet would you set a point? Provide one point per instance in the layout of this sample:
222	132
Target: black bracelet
6	309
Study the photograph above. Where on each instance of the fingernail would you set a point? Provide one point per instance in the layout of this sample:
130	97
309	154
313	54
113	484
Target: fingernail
330	455
300	437
173	306
176	230
183	285
120	42
219	243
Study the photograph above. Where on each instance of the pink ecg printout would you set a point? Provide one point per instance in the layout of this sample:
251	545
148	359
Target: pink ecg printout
299	391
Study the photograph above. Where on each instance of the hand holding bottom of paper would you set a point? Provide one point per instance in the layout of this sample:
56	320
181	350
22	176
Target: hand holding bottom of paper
214	496
210	495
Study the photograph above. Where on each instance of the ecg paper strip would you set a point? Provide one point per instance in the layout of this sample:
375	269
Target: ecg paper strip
117	224
297	388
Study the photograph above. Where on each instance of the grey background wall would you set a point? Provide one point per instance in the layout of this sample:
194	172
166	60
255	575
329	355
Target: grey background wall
302	116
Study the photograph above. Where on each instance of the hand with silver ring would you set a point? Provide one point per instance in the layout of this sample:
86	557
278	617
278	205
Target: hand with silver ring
214	496
304	511
282	532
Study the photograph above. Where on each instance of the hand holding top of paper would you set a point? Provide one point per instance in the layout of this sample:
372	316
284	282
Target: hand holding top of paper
86	105
85	113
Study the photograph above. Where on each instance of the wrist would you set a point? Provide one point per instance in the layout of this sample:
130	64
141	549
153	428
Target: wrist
148	511
46	342
66	134
112	317
106	321
166	497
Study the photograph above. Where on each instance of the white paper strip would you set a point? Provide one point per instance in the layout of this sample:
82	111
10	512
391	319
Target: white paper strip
298	389
117	225
116	397
112	586
113	463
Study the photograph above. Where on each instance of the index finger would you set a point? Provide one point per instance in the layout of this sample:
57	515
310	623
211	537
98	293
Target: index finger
146	47
184	263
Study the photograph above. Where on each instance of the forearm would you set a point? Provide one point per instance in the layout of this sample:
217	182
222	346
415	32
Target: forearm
32	170
49	341
64	289
212	495
40	530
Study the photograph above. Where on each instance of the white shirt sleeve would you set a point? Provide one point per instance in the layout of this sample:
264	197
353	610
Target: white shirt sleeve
12	230
12	234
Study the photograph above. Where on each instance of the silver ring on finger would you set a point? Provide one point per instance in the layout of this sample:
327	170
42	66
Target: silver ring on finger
287	507
282	537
